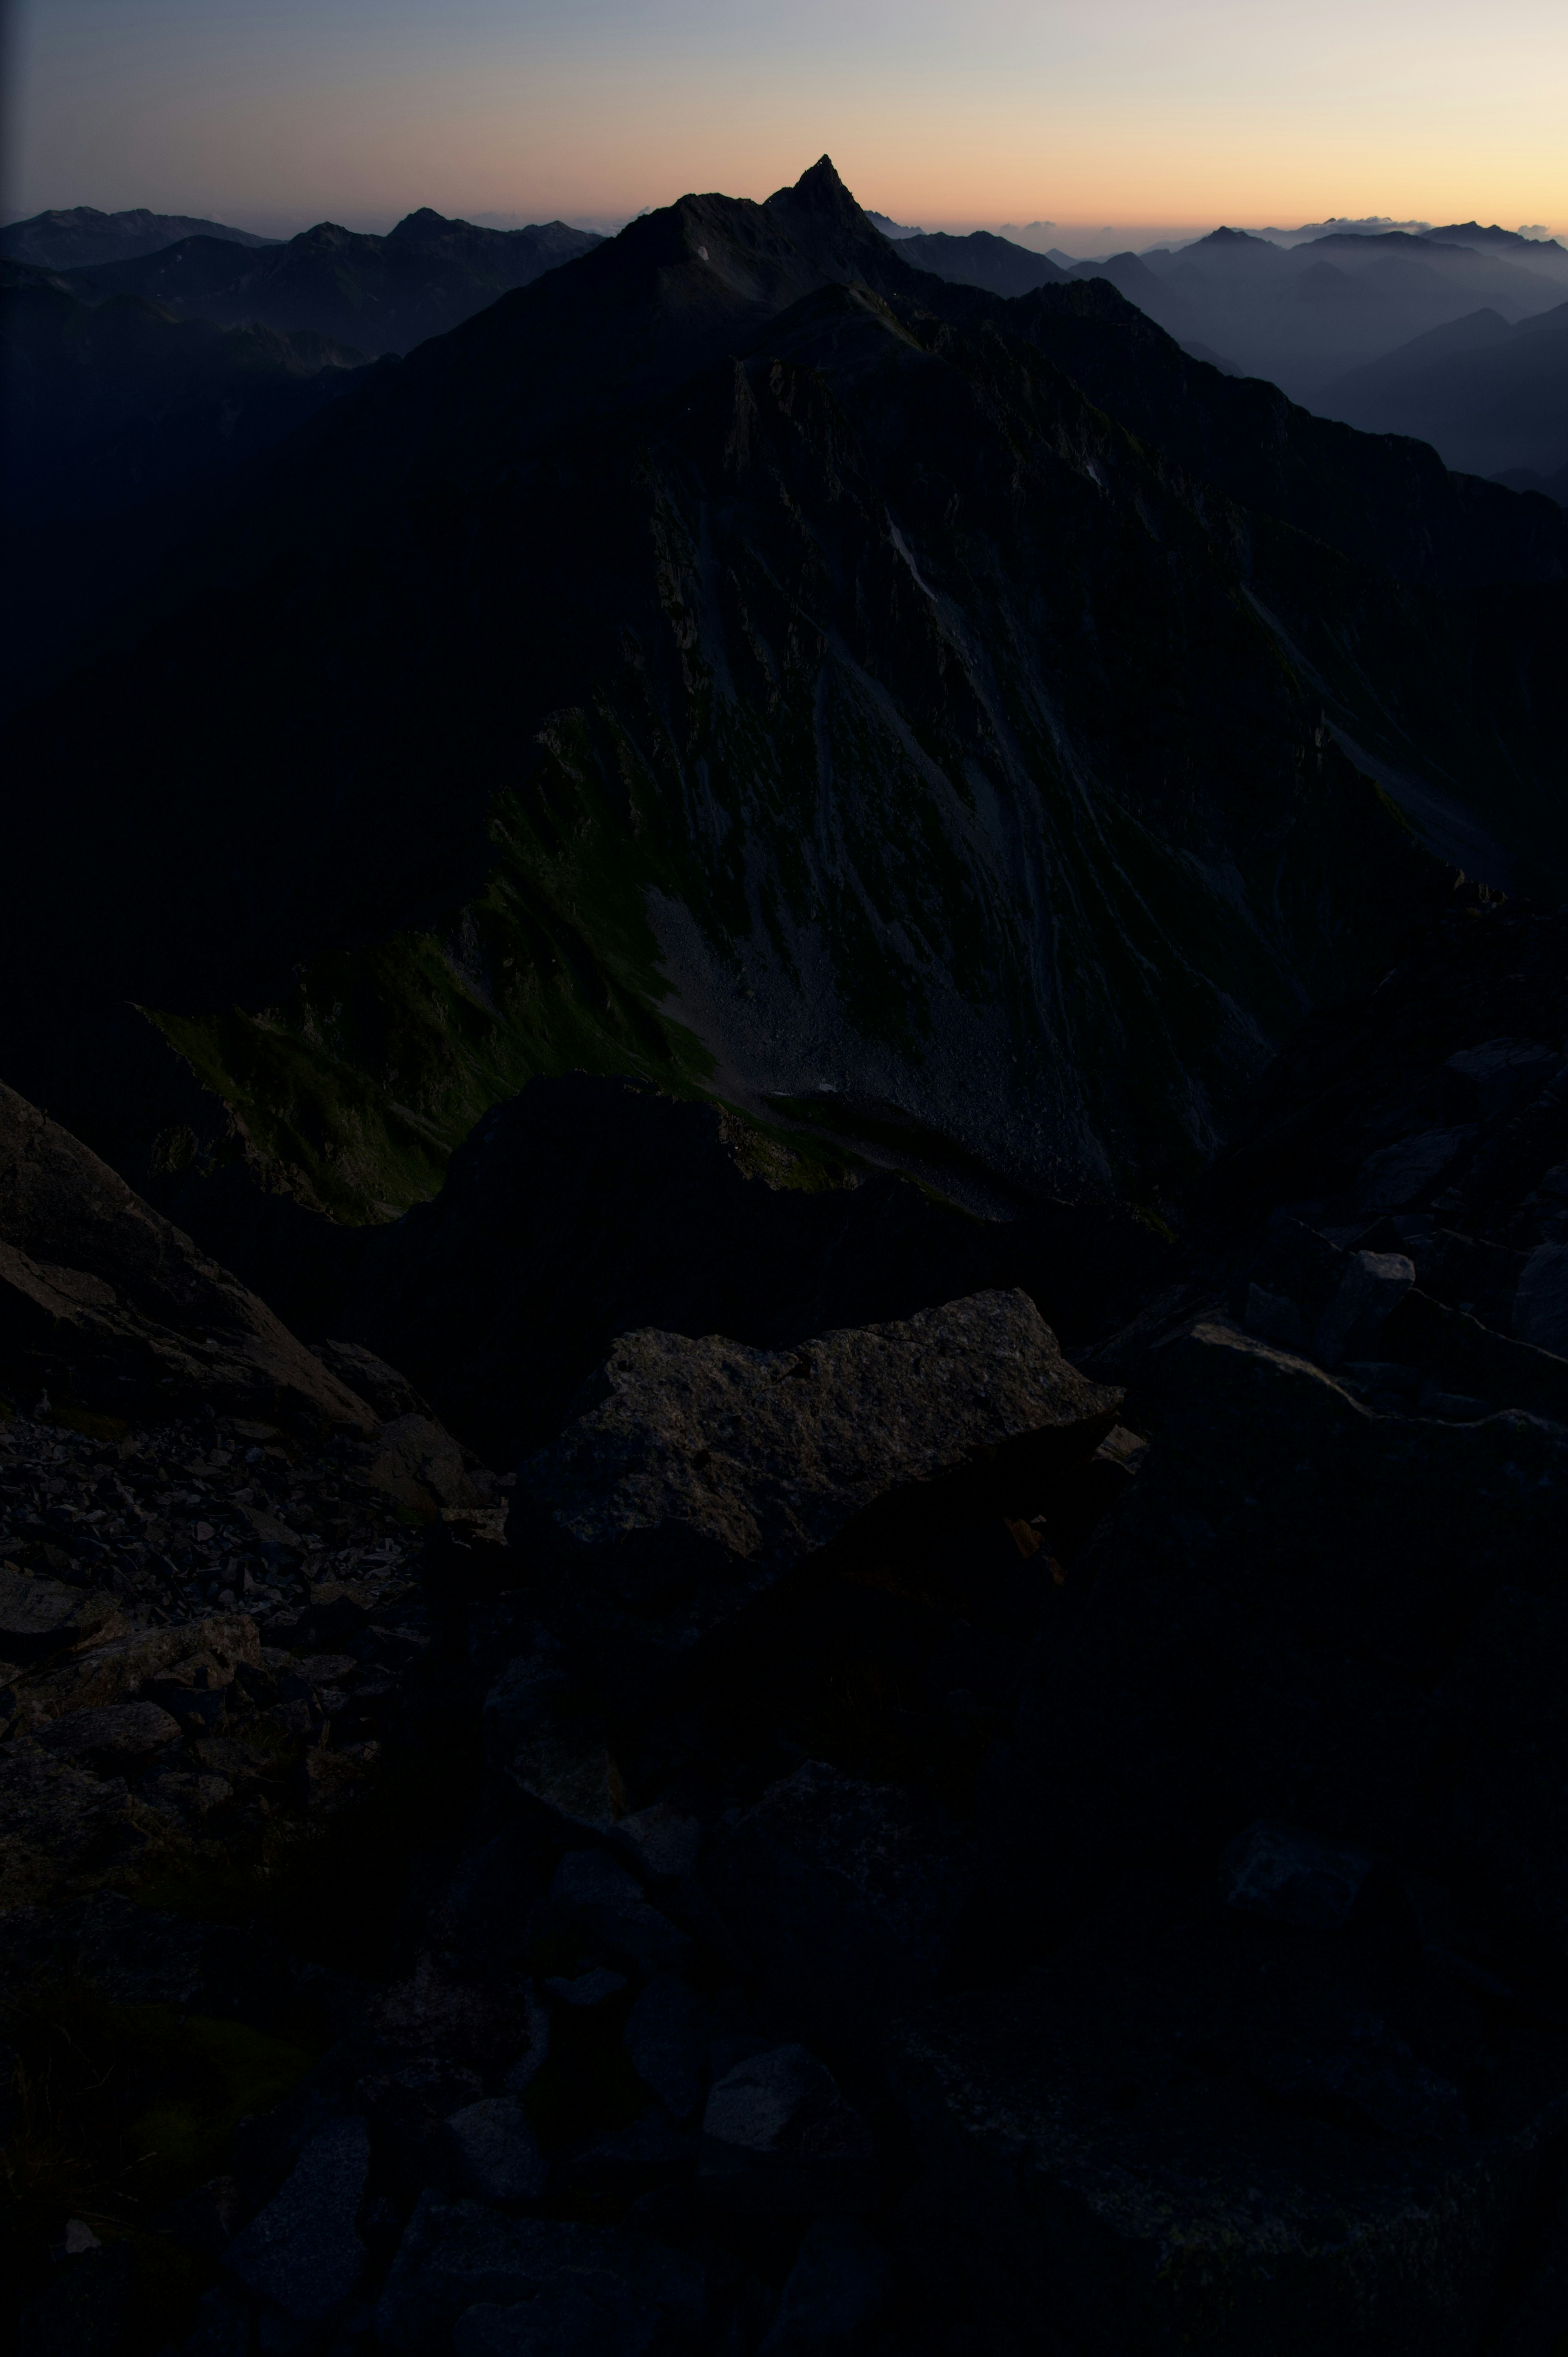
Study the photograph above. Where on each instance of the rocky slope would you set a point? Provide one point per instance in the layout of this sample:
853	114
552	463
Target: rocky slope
898	1841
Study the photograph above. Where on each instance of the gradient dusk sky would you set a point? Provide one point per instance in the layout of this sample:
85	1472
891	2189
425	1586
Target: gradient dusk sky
1141	115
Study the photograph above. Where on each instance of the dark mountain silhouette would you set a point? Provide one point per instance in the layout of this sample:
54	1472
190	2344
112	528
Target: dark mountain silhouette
981	259
119	424
1132	276
1488	396
108	403
81	238
1525	478
378	293
1537	251
741	659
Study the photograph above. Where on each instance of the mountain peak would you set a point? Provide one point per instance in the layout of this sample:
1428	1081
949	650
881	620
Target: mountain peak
425	223
820	190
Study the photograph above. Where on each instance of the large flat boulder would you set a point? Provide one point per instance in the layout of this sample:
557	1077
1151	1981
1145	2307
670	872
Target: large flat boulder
711	1470
105	1303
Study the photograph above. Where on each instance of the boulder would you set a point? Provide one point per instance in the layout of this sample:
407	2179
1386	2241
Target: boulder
1373	1284
582	1991
496	2151
662	1842
195	1691
712	1468
41	1617
120	1669
847	1899
1504	1073
597	1895
302	2253
558	1760
433	2013
63	1829
114	1738
835	2294
408	2106
109	1303
779	2140
653	2151
391	1394
666	2040
456	2256
1397	1174
1291	1878
1540	1299
421	1466
601	2318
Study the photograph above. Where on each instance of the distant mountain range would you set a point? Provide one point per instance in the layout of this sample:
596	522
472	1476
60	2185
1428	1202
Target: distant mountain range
1305	316
82	238
981	259
375	294
1493	398
1374	324
962	727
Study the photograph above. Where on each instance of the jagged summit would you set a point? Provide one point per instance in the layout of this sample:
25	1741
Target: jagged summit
424	222
820	187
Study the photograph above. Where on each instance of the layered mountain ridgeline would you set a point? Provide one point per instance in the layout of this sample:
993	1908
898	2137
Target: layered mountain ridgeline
1490	397
1303	314
77	237
378	294
742	659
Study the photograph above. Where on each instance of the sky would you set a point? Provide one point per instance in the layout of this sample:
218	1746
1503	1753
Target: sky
1106	121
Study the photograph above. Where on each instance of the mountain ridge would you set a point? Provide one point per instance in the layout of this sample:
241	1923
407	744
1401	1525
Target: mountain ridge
719	827
378	294
80	236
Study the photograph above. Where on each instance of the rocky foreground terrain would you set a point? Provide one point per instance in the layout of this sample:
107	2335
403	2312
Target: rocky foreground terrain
901	1836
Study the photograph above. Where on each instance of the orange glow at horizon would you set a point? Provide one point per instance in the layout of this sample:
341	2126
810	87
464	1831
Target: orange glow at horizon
1137	116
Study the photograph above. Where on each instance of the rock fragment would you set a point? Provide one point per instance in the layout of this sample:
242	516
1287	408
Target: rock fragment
496	2152
1292	1879
712	1468
303	2253
779	2140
